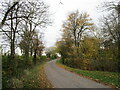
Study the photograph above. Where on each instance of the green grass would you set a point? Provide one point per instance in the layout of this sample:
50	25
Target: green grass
31	78
110	78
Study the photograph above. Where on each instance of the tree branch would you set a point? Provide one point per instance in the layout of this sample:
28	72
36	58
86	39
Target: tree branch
6	14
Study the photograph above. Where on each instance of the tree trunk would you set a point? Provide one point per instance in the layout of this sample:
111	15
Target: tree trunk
12	49
34	59
27	54
119	37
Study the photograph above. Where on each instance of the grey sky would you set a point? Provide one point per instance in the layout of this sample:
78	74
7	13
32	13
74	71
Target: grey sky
60	12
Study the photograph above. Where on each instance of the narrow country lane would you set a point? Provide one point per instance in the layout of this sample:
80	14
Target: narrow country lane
61	78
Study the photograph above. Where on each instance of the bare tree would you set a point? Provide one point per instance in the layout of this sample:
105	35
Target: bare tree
10	26
25	16
39	18
11	22
7	12
111	26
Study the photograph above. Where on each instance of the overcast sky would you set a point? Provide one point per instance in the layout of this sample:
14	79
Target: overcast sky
60	9
60	12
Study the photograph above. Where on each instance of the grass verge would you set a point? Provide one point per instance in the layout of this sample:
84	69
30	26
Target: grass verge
31	78
36	78
107	78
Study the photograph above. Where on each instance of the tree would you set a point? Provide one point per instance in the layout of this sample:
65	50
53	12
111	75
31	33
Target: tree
25	16
25	45
51	52
111	28
76	24
11	22
74	29
7	12
37	47
64	48
11	25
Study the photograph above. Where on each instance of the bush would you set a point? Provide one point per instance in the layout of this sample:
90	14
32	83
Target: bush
14	68
16	83
43	58
53	56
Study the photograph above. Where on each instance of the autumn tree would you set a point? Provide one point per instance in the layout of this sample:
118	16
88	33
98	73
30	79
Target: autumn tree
76	24
74	29
65	49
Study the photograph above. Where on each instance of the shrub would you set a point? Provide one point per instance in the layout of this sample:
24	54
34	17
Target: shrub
43	58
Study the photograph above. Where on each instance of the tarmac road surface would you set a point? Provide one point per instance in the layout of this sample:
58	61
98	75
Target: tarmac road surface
61	78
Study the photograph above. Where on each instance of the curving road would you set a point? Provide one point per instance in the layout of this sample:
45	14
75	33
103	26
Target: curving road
61	78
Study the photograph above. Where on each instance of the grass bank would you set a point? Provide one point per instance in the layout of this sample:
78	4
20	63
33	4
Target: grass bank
108	78
36	78
31	78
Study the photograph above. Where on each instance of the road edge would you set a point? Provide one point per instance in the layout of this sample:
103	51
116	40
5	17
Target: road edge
98	81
